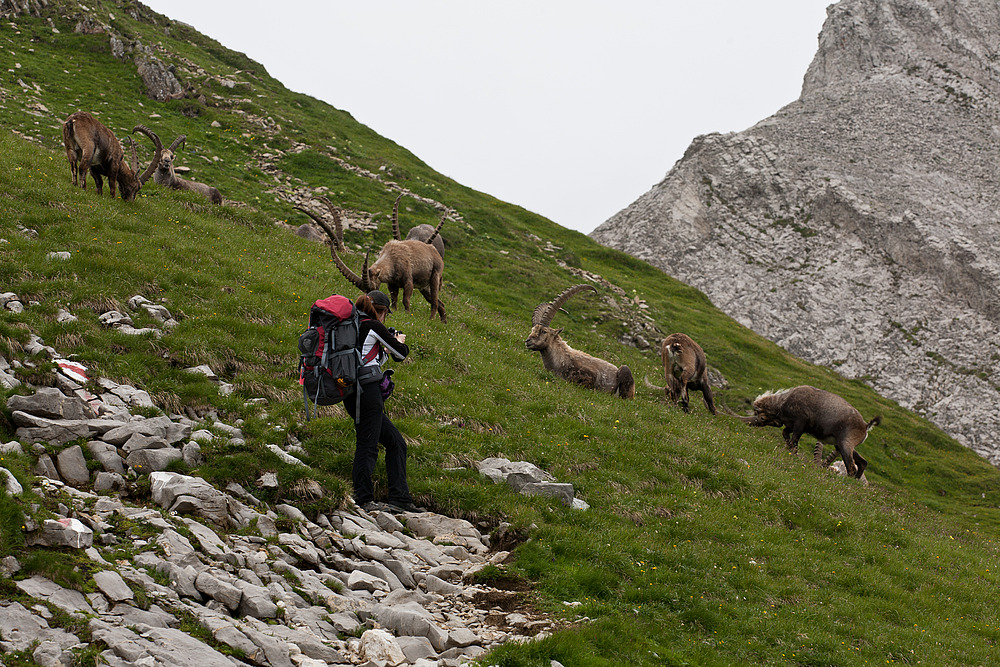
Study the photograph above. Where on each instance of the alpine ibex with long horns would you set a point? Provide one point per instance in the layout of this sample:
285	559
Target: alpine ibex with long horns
91	146
400	264
574	365
166	175
821	414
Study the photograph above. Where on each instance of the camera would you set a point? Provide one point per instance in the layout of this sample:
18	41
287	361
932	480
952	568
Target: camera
393	331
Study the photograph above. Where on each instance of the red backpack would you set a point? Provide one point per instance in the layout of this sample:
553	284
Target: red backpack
330	352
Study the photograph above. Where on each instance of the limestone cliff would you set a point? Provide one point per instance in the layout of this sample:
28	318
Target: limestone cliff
857	227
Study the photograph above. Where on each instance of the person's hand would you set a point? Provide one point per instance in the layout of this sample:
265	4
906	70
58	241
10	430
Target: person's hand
401	337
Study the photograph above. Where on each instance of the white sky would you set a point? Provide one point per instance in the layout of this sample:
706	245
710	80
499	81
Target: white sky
569	108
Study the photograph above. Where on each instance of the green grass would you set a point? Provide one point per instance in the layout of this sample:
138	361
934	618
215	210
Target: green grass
705	542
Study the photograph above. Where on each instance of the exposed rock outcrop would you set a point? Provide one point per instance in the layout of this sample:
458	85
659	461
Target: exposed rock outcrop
339	588
857	226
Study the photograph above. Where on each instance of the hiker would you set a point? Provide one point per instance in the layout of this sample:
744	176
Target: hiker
371	424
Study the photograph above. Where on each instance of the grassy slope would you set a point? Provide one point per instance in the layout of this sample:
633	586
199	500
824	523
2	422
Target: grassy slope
705	544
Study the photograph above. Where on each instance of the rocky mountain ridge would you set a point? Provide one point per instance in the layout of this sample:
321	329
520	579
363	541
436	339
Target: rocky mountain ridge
856	227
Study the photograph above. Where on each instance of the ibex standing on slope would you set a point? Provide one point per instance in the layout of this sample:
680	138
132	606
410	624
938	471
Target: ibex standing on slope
166	176
574	365
825	416
400	264
685	367
90	146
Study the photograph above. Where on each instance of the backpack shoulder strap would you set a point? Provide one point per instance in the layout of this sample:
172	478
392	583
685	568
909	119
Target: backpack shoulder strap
372	353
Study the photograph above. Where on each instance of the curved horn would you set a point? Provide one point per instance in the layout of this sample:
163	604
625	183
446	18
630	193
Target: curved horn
335	212
177	142
135	156
142	129
437	229
395	219
546	311
649	384
360	283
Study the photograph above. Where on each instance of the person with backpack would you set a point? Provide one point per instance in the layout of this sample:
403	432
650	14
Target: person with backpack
371	425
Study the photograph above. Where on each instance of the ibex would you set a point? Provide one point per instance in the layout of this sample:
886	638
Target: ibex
91	146
825	416
400	264
167	177
574	365
685	367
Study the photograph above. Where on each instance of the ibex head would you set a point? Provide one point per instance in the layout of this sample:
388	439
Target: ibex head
167	159
130	188
542	334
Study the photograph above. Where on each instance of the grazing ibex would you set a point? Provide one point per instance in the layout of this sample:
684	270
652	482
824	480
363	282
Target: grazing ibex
400	264
825	416
685	367
166	176
91	146
574	365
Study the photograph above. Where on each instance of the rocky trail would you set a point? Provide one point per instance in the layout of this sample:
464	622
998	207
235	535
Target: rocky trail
169	570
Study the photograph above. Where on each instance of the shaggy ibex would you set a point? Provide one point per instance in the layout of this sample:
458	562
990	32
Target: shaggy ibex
91	146
685	367
400	264
167	177
825	416
574	365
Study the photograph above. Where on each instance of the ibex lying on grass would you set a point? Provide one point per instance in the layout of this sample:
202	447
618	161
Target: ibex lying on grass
574	365
91	146
825	416
685	367
166	176
400	264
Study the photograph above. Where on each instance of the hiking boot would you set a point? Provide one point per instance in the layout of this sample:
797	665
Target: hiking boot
373	506
405	506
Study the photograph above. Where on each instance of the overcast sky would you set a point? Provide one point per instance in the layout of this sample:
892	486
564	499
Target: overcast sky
569	108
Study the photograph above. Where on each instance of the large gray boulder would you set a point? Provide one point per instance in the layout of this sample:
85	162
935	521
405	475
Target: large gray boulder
51	403
62	533
113	586
19	629
166	646
107	455
151	460
73	466
41	429
177	492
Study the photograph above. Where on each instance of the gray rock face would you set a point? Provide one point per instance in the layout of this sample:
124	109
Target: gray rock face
51	403
161	84
72	466
305	596
857	226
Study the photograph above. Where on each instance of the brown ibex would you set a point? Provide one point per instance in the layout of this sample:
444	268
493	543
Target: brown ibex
405	265
685	367
825	416
166	176
574	365
91	146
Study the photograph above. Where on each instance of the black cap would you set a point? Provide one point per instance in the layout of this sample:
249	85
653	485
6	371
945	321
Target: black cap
379	298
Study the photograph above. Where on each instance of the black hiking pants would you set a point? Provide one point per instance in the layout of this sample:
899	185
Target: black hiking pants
372	428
